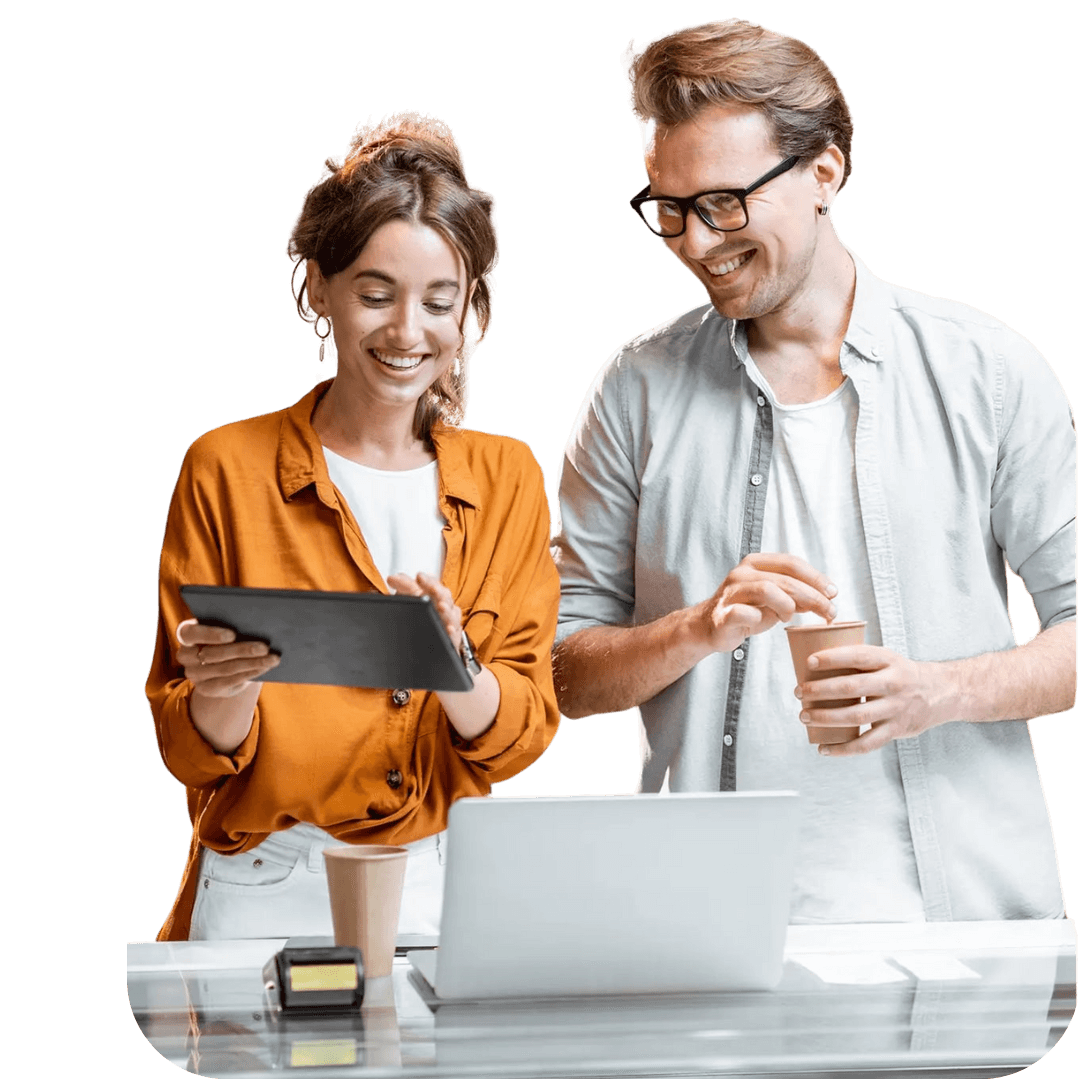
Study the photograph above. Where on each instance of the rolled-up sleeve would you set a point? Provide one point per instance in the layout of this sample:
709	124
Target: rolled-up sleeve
189	556
1033	499
598	500
519	637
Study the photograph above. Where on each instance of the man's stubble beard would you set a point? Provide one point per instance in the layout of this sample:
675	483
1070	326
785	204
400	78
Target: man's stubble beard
769	294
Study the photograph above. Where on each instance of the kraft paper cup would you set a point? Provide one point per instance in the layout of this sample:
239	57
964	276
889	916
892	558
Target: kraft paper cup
804	641
365	882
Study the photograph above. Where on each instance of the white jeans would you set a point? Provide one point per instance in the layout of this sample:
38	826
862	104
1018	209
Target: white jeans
278	889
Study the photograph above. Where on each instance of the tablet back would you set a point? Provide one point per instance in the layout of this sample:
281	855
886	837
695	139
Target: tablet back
339	638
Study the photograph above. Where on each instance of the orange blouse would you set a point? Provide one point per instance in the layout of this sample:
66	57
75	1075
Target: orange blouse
255	506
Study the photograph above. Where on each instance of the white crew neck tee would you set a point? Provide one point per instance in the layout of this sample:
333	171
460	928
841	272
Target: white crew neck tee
398	514
855	861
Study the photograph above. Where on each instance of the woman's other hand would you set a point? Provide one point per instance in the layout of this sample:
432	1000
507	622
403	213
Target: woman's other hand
473	711
221	670
438	593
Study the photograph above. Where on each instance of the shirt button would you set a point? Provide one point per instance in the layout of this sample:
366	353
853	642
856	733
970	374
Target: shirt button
756	479
727	740
874	350
738	654
394	778
400	697
760	400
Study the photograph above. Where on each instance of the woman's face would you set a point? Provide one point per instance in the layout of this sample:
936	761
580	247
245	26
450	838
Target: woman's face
396	313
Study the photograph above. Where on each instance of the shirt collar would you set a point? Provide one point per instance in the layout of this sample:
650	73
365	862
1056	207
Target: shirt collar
866	332
455	475
301	461
867	327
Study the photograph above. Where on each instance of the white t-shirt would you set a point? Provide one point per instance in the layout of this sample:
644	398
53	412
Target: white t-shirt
398	514
855	861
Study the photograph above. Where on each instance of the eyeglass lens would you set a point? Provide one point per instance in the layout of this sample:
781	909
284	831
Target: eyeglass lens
720	210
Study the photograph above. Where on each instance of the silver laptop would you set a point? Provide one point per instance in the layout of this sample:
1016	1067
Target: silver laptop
613	895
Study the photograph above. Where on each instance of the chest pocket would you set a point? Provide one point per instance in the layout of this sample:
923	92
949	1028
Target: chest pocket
481	621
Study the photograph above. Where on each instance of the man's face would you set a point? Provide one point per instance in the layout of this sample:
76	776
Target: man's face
764	267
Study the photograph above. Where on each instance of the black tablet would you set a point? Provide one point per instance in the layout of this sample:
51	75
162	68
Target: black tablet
339	638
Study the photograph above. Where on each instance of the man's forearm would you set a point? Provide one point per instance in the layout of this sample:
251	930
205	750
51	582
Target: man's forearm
1031	680
611	668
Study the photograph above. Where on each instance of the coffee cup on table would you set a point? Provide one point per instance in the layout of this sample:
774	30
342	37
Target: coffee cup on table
804	641
365	882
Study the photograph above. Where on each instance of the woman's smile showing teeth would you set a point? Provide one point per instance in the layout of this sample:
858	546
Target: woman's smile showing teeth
399	363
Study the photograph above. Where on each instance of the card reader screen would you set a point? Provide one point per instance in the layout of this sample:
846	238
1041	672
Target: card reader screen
322	977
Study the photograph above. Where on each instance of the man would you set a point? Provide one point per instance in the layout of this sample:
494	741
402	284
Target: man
818	443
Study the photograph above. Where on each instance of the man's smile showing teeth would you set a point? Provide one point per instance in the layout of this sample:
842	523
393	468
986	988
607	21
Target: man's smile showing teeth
719	269
401	363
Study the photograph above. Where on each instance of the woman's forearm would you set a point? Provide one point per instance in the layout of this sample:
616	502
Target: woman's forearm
472	712
224	722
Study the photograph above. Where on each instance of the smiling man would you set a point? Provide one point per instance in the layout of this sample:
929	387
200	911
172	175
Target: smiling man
812	443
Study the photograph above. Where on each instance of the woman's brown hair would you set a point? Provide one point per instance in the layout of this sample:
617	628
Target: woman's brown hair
407	168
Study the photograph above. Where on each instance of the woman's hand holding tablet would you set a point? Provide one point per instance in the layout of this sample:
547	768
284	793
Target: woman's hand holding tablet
473	711
220	669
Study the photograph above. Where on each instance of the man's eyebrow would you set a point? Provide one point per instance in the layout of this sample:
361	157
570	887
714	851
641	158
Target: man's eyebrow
381	275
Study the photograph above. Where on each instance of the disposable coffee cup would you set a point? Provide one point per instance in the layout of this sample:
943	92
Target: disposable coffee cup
365	882
804	641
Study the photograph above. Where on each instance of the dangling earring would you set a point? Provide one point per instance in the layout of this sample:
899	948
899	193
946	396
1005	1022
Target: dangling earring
823	209
326	345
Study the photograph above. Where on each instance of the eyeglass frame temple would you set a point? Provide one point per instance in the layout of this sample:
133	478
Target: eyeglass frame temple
689	202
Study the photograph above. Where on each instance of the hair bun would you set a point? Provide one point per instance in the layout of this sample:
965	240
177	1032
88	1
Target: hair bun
331	166
406	141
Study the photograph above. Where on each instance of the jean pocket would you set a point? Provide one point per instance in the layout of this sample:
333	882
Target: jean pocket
249	870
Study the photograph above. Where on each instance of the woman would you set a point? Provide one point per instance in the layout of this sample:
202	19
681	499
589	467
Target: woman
365	484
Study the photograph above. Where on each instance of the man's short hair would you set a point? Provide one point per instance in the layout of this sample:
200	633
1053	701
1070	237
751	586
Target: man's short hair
737	63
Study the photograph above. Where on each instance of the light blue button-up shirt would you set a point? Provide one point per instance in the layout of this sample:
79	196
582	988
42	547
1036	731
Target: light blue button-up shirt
964	458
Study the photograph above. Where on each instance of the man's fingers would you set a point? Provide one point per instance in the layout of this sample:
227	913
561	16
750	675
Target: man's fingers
803	596
863	657
868	741
871	711
839	688
747	619
193	632
762	593
794	567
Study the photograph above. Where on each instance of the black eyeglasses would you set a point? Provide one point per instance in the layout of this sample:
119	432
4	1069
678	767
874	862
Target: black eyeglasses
724	210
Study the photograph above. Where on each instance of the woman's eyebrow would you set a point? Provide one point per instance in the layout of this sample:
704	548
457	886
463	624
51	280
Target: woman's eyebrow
439	283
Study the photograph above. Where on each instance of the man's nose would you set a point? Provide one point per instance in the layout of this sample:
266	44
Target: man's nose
699	240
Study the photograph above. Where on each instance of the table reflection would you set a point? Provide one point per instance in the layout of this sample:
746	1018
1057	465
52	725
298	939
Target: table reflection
915	1002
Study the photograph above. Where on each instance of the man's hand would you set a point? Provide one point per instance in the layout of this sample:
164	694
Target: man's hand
763	590
609	668
903	697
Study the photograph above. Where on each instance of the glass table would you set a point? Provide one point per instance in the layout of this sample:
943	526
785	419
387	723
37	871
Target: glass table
936	999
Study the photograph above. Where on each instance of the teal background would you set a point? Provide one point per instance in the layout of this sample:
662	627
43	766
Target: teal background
157	156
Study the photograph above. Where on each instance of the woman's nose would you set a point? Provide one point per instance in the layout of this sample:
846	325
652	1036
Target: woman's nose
404	325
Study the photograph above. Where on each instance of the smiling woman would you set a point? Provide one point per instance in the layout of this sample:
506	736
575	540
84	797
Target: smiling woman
365	484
